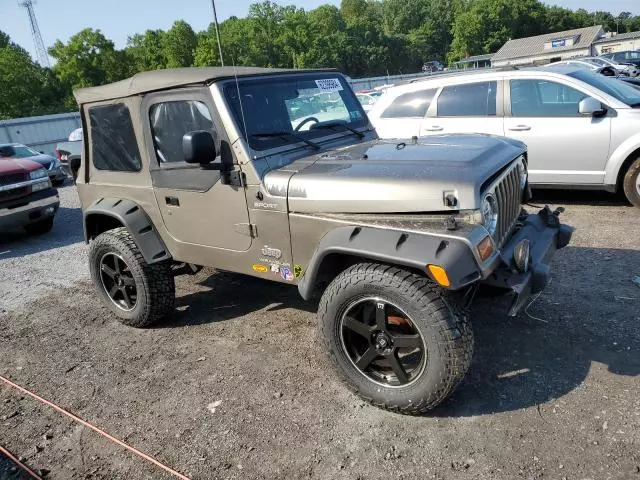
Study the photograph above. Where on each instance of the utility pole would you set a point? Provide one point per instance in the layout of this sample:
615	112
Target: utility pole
41	52
215	23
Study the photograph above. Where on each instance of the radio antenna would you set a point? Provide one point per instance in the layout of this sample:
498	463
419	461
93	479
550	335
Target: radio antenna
244	123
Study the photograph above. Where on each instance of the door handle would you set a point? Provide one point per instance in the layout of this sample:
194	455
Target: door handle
172	201
520	128
434	128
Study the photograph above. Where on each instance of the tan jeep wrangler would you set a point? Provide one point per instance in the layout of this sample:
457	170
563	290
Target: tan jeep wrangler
278	174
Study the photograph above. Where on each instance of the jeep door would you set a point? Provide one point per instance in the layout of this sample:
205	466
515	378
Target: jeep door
470	107
564	146
196	207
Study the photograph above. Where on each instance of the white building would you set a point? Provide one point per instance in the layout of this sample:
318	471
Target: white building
617	43
551	47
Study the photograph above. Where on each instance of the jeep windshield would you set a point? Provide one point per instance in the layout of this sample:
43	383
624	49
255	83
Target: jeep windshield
612	86
293	109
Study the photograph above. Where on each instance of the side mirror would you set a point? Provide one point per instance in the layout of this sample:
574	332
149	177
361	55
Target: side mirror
590	106
198	147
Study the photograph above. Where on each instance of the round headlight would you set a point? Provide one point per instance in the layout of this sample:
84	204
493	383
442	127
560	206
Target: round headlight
489	209
522	173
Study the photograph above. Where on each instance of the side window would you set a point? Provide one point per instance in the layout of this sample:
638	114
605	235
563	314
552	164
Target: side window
169	122
541	98
468	100
414	104
113	141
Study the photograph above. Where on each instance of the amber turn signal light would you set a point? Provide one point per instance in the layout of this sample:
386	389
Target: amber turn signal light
439	275
485	248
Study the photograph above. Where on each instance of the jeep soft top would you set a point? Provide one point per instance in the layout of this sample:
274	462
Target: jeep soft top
278	174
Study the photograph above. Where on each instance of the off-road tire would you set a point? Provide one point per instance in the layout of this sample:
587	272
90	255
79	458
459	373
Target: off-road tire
630	181
40	227
154	283
437	315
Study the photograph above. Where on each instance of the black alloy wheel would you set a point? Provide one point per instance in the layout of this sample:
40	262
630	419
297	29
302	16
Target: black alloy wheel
118	282
382	342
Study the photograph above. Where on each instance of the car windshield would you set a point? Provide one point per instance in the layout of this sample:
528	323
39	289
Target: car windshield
16	151
274	108
619	90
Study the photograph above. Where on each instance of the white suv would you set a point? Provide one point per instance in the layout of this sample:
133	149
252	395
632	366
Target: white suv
582	129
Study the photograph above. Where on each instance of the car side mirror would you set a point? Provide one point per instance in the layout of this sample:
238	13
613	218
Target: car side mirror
590	106
198	147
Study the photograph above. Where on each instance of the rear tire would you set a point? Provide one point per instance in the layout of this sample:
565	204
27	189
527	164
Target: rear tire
40	227
631	183
446	337
138	293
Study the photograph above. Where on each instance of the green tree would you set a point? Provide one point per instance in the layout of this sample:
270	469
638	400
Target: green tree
26	89
89	59
179	45
147	50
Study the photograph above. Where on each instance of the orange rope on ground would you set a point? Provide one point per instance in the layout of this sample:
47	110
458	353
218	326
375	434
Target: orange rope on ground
20	464
95	429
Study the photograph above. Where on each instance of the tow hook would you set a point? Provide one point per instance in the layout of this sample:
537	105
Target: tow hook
551	219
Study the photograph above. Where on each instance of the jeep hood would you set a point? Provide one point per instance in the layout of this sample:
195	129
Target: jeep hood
384	176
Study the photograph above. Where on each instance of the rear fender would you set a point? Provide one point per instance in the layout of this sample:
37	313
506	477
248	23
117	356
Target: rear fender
104	213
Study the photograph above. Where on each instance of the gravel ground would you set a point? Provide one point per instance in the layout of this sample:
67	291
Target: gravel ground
235	384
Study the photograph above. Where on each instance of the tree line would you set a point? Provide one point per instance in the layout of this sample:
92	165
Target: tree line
361	38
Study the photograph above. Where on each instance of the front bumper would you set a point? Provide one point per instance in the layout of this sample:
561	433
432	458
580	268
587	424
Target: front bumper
546	235
30	209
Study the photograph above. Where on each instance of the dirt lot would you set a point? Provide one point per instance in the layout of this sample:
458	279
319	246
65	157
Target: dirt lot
553	394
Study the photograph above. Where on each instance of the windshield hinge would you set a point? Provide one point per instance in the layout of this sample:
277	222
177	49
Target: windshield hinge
247	229
235	178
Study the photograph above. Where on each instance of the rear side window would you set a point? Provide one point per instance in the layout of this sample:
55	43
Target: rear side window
113	141
413	104
171	120
469	100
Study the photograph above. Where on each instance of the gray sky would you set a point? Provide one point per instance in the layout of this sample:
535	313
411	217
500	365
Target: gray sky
59	19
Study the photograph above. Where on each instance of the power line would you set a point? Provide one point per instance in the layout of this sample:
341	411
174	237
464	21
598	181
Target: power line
41	52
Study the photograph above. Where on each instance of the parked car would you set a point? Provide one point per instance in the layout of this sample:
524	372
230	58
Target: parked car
27	199
628	69
605	70
204	167
52	164
70	152
582	129
633	81
367	101
623	57
432	66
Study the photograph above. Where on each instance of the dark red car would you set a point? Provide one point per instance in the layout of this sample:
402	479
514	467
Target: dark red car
27	198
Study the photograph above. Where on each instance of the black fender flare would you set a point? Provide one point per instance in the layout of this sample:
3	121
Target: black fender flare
404	249
134	219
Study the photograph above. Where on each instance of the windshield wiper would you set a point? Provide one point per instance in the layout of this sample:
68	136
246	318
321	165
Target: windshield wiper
339	124
297	136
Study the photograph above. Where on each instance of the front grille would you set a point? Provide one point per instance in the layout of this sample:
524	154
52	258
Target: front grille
508	195
13	193
13	178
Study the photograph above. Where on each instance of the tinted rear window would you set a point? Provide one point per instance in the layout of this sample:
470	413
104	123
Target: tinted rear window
471	99
113	141
413	104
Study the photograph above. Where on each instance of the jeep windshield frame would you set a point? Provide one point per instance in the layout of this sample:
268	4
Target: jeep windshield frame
299	104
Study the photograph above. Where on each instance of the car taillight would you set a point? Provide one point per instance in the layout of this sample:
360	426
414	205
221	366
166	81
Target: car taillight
58	154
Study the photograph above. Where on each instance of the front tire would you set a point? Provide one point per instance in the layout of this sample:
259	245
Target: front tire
631	183
396	339
138	293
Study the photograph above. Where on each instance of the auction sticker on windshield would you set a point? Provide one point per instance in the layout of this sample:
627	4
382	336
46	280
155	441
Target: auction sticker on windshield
329	85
